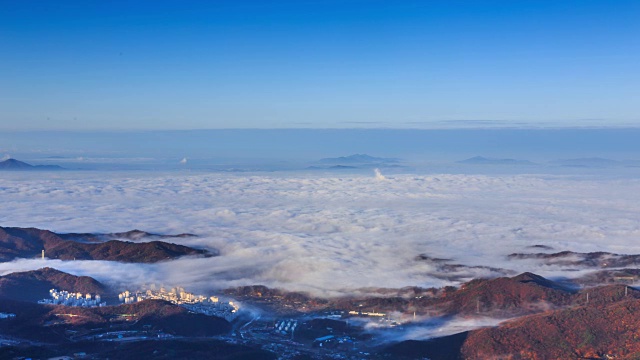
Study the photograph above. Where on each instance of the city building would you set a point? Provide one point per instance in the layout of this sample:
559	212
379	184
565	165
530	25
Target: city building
72	299
208	305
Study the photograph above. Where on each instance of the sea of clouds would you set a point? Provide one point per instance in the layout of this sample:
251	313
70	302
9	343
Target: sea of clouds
330	234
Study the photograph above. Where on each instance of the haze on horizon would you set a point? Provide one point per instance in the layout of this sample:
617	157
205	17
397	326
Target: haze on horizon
117	65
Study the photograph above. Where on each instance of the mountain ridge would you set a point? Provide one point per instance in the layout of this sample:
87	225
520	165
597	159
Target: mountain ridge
35	285
481	160
17	165
357	159
29	242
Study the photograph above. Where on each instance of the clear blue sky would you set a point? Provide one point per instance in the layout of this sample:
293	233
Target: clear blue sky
91	65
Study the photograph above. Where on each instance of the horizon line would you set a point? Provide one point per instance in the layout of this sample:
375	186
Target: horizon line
475	128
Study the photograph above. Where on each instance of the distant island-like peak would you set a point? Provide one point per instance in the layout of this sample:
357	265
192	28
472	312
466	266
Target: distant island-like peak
13	164
357	159
481	160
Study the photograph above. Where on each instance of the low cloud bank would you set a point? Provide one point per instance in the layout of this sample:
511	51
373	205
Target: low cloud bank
329	235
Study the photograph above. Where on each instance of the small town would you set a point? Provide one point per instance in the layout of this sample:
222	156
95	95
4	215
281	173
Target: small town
208	305
72	299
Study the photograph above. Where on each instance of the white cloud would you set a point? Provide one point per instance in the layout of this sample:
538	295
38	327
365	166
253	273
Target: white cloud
328	235
433	327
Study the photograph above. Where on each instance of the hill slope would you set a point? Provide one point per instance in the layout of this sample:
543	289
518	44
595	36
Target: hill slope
586	332
34	321
29	242
34	285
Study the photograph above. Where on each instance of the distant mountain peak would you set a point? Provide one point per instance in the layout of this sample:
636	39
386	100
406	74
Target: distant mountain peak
481	160
13	164
528	277
588	162
33	285
357	159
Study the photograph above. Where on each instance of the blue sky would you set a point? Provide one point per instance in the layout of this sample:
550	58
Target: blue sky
122	65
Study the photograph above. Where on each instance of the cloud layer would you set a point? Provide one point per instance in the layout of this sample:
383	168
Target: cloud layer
328	235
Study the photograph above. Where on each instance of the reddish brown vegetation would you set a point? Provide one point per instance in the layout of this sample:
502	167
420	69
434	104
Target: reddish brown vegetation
35	285
505	296
525	293
585	332
29	242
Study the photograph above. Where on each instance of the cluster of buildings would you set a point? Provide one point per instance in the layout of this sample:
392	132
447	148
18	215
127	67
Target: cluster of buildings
72	299
380	319
175	295
365	313
286	326
208	305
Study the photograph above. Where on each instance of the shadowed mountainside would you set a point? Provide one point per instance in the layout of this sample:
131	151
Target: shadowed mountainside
47	322
167	349
34	285
19	291
442	348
